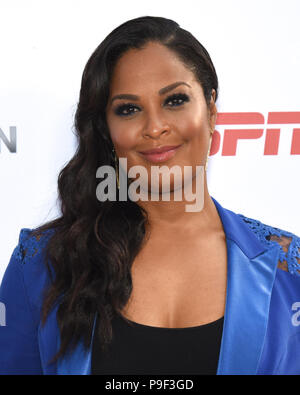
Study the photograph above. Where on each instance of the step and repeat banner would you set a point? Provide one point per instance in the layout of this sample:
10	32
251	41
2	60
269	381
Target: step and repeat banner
254	164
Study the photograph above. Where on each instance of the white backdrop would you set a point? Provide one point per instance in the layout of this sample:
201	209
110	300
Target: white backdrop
255	47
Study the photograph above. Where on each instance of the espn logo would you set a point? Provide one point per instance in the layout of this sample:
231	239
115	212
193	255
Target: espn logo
267	132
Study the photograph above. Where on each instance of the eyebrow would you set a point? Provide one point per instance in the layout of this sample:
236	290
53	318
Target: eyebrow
162	91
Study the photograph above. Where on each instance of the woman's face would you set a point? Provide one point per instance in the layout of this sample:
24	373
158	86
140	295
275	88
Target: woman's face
162	104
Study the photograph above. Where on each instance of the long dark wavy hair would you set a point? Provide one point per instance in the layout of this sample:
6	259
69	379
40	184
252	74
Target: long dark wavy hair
94	243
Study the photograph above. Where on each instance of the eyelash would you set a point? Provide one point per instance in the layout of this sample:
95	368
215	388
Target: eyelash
176	96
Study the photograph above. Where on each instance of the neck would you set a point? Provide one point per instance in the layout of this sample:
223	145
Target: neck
173	216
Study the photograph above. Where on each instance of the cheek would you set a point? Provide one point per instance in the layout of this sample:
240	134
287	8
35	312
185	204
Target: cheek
123	134
194	130
192	126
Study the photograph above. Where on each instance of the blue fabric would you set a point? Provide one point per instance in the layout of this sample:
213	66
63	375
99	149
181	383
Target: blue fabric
261	333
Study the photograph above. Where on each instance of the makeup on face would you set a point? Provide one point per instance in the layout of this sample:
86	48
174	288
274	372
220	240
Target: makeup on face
160	154
156	103
130	108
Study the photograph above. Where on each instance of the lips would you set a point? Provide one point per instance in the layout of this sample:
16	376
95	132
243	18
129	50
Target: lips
159	150
160	154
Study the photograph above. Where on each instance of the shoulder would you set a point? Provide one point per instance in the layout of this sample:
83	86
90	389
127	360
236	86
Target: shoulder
29	263
30	253
31	244
289	253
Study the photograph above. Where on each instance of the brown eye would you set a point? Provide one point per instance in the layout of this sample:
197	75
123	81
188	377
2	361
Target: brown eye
177	99
126	109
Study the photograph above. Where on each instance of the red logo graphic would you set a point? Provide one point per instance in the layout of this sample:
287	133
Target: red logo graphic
272	135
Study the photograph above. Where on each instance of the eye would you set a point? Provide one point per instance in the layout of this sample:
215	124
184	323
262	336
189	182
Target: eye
177	99
126	109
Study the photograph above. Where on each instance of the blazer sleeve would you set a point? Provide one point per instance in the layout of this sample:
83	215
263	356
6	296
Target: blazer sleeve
19	348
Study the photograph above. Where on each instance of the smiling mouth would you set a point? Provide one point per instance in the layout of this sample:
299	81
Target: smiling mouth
157	157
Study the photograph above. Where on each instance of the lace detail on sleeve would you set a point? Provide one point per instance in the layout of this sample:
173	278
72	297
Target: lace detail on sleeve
289	254
29	244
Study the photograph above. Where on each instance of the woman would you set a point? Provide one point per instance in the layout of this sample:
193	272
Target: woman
147	287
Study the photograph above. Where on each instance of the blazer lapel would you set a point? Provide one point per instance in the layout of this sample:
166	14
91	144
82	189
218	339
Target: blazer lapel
250	276
79	361
48	336
76	363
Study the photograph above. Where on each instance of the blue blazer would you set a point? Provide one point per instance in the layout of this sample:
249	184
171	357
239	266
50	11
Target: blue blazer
261	333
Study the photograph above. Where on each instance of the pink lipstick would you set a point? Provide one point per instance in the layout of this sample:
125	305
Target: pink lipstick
160	154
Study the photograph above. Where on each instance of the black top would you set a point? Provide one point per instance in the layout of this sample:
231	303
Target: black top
142	349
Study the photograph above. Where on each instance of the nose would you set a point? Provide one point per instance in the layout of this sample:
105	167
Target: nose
155	126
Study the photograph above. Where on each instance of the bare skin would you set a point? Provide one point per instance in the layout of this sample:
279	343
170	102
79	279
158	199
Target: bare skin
179	276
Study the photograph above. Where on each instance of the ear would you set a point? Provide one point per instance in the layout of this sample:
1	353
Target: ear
212	110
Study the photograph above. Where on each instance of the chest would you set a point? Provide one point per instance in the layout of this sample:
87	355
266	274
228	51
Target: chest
178	282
